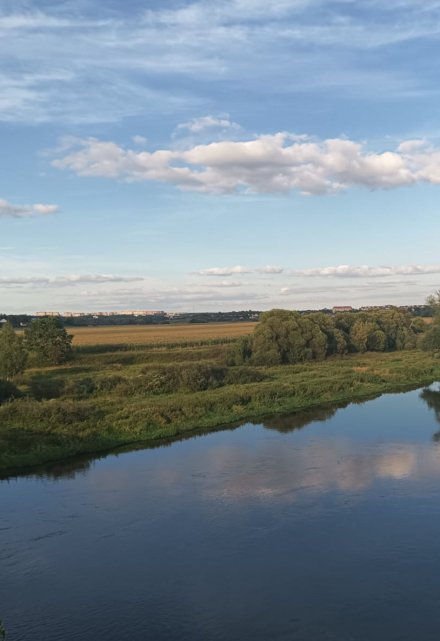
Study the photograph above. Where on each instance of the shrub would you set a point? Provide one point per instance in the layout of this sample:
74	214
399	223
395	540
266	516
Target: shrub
8	391
108	383
199	377
46	388
430	341
241	375
80	388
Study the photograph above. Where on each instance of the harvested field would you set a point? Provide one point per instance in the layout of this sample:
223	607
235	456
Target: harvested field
139	334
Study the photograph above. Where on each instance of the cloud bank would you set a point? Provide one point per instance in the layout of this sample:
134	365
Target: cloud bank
25	211
238	269
63	281
364	271
275	163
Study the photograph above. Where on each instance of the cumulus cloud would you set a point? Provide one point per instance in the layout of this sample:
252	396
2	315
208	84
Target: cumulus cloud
139	141
276	163
61	281
196	125
25	211
224	271
227	283
365	271
271	269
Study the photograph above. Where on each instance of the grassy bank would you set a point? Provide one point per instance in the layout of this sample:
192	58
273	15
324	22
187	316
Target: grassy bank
107	399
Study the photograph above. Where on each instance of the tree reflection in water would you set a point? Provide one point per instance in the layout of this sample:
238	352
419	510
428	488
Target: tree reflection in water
432	399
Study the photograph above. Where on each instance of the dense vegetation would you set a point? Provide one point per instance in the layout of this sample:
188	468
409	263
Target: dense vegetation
114	395
284	337
431	339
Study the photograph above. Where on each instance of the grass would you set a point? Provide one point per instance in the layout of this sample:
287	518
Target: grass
104	400
147	334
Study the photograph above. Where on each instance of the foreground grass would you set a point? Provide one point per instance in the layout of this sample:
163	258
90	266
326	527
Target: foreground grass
104	400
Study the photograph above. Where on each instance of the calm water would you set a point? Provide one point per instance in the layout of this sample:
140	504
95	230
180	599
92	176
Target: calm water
324	526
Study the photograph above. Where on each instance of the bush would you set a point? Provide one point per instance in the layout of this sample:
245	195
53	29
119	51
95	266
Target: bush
109	383
430	341
199	377
46	388
240	352
241	375
80	388
8	391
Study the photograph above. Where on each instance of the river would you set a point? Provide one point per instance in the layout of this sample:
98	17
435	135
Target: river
324	526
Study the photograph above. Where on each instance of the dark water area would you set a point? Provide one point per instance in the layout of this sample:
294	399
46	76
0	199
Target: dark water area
323	526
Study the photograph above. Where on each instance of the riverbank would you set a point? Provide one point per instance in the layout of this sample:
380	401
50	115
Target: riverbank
103	400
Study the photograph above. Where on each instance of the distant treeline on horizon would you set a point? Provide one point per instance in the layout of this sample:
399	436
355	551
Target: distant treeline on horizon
87	320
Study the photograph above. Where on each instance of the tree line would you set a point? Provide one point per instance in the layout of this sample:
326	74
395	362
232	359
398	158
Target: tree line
287	337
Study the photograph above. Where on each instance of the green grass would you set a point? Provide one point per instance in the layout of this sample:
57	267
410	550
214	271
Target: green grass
104	400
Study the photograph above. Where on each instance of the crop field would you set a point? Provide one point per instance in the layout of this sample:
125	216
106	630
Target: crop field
144	334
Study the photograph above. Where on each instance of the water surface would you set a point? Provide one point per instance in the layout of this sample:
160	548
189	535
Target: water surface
320	526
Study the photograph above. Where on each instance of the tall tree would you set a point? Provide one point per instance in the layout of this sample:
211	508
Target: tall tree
13	355
49	341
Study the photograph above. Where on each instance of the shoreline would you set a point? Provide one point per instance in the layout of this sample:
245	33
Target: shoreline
106	445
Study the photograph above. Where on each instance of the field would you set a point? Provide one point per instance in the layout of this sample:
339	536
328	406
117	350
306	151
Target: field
144	334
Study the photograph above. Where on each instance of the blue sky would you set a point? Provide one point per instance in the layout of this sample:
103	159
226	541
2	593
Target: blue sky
218	155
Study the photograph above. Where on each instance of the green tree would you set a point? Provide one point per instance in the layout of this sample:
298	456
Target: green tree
376	341
278	339
2	632
13	355
283	337
241	352
418	325
430	341
49	341
336	342
359	334
434	302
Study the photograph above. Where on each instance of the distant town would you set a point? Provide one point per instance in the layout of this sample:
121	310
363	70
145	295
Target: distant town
149	316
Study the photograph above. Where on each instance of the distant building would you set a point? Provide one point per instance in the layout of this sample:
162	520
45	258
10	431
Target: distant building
123	312
342	308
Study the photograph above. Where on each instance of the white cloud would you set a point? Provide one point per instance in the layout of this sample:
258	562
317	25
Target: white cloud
140	141
227	283
62	281
224	271
365	271
276	163
271	269
197	125
238	269
25	211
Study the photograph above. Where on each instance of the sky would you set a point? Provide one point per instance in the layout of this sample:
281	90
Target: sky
216	155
